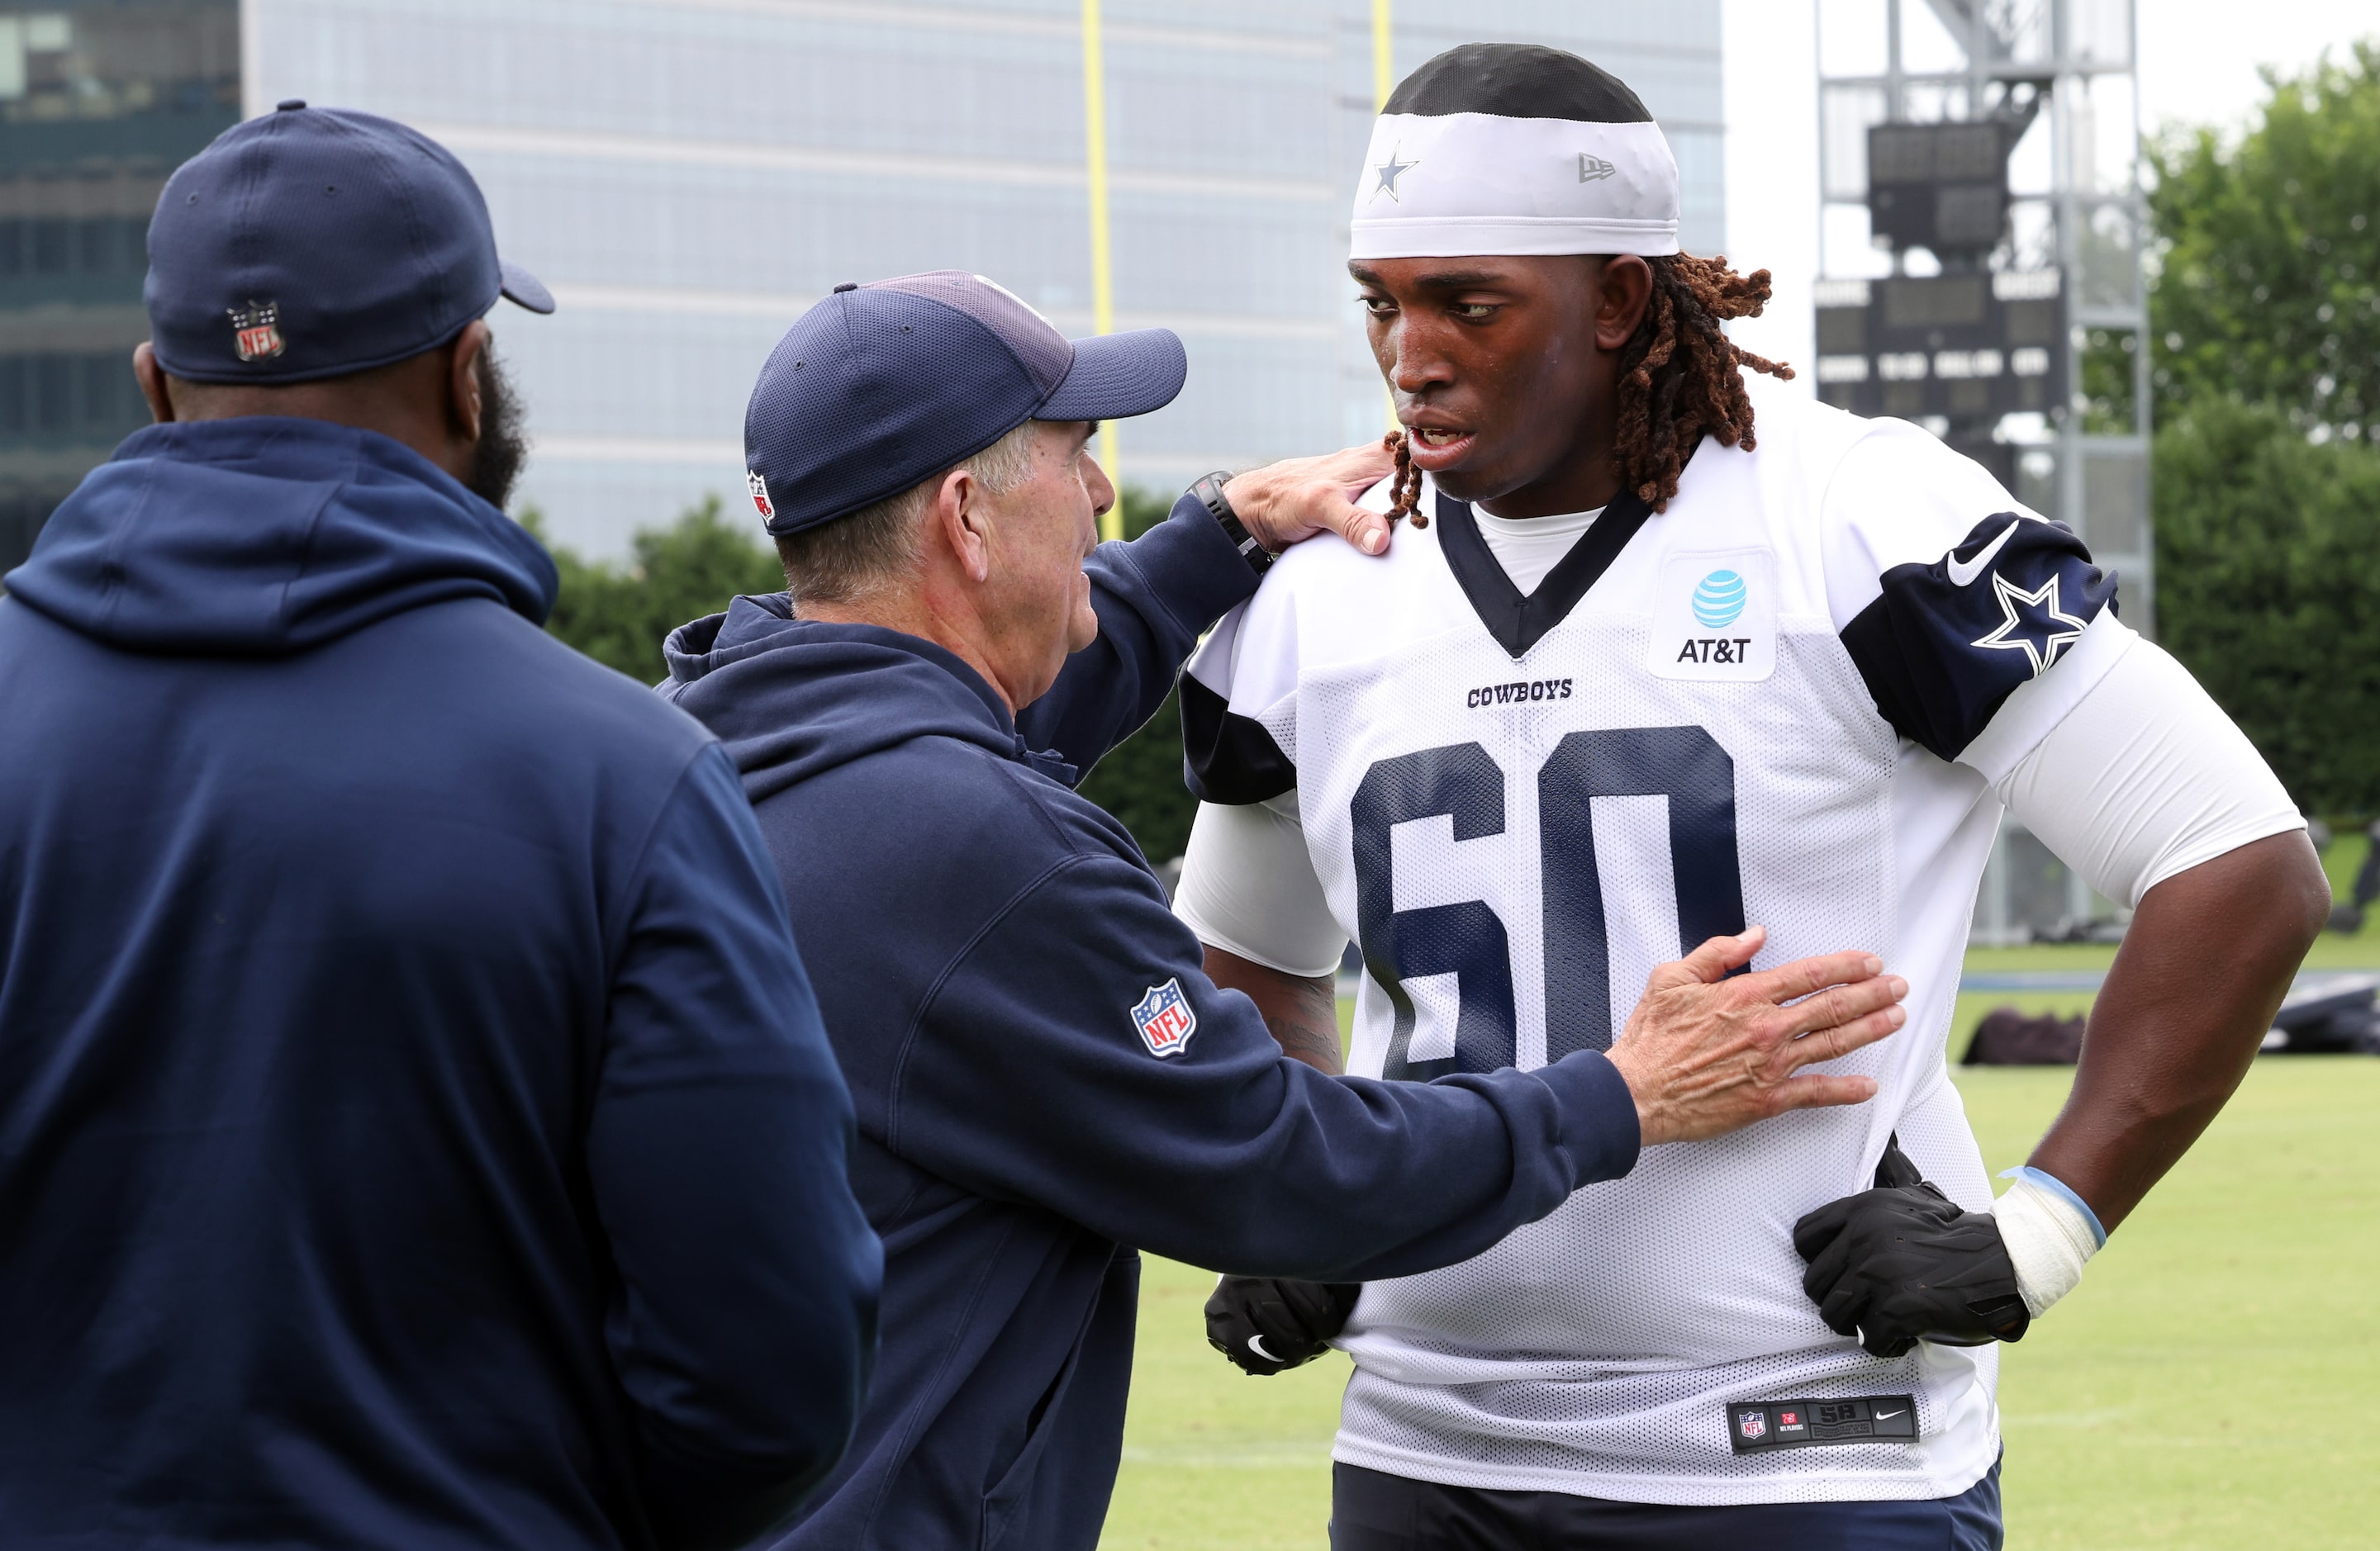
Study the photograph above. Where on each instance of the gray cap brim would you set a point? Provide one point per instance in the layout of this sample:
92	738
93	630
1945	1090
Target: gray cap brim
1118	375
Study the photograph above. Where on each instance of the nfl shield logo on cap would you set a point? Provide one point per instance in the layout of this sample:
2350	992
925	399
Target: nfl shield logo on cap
256	330
759	489
1164	1018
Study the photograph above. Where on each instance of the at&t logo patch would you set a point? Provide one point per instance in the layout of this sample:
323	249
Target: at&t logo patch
1719	599
1164	1018
1714	617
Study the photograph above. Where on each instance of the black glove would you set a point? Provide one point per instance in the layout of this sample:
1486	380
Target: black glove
1900	1264
1269	1325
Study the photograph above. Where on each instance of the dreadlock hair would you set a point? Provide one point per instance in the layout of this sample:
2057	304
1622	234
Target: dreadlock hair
1679	381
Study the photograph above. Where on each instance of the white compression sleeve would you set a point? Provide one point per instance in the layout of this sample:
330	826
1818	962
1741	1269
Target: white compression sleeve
1248	887
2049	1233
2144	778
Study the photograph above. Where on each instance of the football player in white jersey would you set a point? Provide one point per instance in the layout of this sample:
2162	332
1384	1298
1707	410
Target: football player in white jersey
1634	676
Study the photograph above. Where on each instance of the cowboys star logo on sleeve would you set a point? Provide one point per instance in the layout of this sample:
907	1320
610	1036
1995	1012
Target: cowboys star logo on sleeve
1164	1018
2041	634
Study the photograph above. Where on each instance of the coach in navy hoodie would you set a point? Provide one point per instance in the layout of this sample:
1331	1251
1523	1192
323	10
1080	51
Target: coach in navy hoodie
1044	1076
416	1130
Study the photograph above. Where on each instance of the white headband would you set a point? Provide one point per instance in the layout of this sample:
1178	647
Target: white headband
1447	185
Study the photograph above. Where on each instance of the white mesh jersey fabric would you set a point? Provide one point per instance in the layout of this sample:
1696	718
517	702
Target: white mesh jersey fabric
1595	1351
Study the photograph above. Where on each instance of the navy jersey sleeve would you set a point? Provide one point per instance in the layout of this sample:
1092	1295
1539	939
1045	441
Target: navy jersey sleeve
1155	596
1078	1059
1239	705
1950	596
1229	756
718	1150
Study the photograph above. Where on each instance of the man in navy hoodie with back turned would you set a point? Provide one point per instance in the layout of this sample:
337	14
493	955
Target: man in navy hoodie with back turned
416	1130
1043	1074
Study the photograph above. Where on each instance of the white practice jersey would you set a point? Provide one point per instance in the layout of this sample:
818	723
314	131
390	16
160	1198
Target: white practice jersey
1780	701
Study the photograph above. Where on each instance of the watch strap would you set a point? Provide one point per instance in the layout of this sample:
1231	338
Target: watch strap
1210	491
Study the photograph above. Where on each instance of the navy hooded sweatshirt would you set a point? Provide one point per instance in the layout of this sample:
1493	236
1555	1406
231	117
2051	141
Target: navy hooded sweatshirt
980	937
416	1128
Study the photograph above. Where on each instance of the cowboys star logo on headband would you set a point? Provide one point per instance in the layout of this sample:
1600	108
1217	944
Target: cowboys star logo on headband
1515	149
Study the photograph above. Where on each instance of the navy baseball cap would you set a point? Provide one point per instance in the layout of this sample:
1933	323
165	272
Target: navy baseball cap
882	385
313	242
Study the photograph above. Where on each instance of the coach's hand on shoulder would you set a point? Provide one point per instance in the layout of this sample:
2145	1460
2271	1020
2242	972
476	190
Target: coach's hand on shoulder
1903	1263
1706	1054
1269	1325
1285	503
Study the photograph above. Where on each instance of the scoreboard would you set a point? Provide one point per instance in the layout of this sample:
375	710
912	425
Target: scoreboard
1941	186
1966	346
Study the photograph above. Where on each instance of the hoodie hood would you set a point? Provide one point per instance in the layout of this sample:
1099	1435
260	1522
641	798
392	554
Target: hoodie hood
265	536
793	698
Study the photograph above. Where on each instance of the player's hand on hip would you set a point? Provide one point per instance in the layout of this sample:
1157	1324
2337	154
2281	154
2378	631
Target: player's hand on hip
1269	1325
1707	1051
1903	1263
1285	503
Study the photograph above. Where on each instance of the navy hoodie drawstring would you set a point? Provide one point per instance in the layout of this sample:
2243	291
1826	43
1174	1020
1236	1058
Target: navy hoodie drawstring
1047	763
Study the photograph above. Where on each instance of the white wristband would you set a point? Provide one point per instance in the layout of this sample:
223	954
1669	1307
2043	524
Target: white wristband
2049	1232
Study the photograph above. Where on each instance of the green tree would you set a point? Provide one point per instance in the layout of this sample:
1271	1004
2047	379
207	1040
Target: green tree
1140	781
2269	283
2267	545
619	614
2264	364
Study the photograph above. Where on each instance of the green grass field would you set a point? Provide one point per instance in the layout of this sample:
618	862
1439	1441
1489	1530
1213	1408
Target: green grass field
2214	1383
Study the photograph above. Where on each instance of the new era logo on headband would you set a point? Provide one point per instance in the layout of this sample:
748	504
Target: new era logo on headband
256	330
1591	168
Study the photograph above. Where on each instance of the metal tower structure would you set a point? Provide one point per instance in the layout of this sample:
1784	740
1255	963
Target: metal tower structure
1981	230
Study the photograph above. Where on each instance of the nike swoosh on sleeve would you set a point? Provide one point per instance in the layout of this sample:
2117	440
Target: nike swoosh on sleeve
1963	572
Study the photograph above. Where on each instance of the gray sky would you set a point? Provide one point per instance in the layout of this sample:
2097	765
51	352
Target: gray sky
2198	63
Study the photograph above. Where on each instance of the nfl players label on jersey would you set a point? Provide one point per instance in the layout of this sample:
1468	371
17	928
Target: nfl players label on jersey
1780	701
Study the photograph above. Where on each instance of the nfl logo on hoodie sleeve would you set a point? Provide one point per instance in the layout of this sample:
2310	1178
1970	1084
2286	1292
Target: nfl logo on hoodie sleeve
1164	1018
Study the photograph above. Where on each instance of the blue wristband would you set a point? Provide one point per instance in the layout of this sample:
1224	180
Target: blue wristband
2057	1187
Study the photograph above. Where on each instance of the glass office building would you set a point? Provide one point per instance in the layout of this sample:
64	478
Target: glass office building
689	175
98	105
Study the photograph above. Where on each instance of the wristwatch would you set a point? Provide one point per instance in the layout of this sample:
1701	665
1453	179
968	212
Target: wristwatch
1210	491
